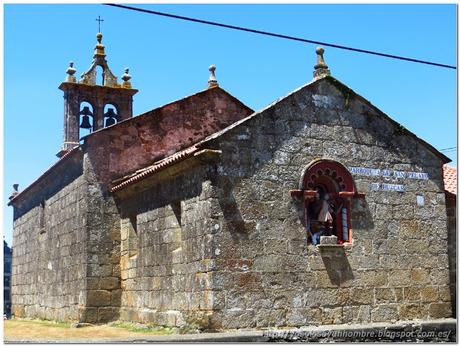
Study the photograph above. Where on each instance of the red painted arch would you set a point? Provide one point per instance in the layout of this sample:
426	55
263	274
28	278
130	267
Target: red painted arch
330	173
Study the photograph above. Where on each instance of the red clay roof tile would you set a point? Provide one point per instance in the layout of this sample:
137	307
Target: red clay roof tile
450	179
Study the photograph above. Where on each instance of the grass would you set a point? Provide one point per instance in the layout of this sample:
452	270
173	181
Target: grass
144	328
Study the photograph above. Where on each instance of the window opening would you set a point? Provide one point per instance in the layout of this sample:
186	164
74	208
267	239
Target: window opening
99	75
110	115
41	217
86	119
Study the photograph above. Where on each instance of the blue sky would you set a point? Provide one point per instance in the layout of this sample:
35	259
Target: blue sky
169	59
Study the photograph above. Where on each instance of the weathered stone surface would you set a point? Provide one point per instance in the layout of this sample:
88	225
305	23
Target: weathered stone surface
89	315
384	313
440	310
412	311
429	294
357	314
98	298
222	241
107	314
332	316
361	296
49	252
109	283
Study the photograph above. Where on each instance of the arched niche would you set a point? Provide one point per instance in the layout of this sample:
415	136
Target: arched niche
327	189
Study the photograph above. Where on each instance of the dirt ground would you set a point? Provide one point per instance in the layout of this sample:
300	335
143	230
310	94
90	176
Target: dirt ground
33	329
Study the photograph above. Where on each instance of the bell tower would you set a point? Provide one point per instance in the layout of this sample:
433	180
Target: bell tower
90	106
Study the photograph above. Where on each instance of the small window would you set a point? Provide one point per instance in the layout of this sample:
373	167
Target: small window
41	217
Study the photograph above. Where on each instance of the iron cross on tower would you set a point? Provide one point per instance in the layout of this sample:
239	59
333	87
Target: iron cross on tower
99	20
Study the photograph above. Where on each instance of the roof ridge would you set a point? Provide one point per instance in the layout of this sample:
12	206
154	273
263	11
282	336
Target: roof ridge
147	113
444	158
237	123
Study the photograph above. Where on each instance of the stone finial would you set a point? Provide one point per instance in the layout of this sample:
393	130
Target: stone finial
15	191
212	81
71	71
99	49
126	77
89	77
321	69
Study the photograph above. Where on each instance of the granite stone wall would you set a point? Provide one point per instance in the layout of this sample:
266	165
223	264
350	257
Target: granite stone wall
222	244
166	251
103	291
49	255
266	275
451	202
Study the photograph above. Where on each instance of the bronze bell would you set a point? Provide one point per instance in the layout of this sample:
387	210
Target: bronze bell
86	111
85	124
110	113
111	117
109	121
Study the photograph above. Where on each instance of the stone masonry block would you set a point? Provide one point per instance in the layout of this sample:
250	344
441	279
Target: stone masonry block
361	296
420	276
109	283
332	315
413	311
98	298
411	294
107	314
384	313
356	314
440	310
388	295
399	278
429	294
88	315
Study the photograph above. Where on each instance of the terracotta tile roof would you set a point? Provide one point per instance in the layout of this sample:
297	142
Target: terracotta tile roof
450	179
150	170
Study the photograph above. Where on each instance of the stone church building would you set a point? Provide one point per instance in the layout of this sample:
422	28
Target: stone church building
318	209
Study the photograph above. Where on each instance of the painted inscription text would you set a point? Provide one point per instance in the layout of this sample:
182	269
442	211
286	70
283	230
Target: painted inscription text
387	173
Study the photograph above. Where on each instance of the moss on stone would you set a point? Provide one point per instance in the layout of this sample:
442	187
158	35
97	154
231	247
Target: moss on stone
346	92
400	130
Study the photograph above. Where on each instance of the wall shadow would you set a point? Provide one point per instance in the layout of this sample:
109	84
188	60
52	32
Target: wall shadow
336	262
234	221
